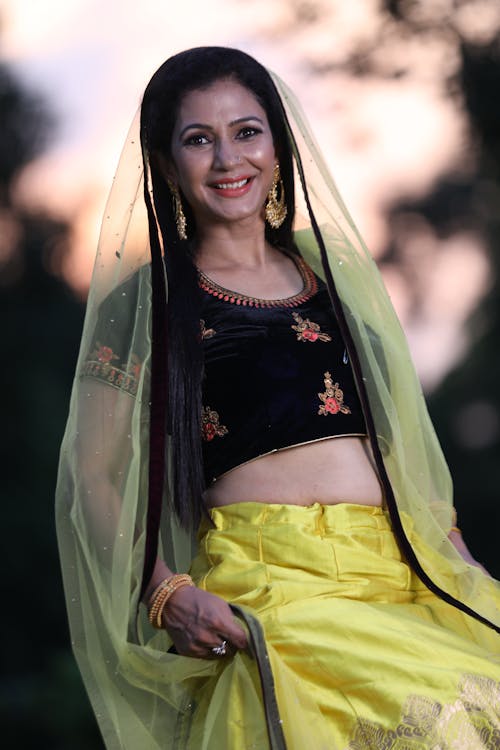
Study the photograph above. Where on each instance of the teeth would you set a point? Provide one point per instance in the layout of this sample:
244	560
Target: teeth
229	185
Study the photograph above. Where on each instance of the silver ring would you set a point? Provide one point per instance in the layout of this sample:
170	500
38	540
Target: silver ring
220	650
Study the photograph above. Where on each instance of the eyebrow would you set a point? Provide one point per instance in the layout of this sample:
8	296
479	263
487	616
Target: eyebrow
204	126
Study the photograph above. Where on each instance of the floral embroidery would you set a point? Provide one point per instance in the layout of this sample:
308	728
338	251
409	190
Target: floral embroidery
308	331
469	722
332	398
100	364
104	354
206	333
210	425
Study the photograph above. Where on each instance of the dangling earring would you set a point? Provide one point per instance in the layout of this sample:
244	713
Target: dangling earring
180	218
276	210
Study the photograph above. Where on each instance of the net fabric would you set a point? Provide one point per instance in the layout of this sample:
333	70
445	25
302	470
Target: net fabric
102	487
412	457
142	695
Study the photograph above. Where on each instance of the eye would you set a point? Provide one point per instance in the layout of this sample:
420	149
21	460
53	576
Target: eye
198	139
248	131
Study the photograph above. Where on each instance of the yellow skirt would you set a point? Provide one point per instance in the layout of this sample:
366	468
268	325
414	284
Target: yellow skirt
362	653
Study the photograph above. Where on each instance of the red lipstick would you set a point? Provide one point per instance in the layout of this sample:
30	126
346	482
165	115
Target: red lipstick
232	187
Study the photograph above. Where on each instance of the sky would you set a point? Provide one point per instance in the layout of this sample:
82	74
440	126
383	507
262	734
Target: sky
91	60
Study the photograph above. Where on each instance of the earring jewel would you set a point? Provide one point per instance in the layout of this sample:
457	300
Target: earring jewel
180	217
276	209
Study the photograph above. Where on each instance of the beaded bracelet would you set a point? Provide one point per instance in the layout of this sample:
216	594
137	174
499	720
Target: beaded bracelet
455	528
162	594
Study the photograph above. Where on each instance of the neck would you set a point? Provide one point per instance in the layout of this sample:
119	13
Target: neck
222	247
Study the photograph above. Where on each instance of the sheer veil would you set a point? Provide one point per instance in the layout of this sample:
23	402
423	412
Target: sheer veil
107	528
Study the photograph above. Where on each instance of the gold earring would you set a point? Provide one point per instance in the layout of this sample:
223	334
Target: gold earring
180	218
276	210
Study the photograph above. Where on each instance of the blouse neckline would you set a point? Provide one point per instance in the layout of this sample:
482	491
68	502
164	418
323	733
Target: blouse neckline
309	289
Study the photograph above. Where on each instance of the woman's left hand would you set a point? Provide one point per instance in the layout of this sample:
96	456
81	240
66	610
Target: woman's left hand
201	624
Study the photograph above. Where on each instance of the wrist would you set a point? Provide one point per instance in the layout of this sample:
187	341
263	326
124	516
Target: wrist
160	573
162	593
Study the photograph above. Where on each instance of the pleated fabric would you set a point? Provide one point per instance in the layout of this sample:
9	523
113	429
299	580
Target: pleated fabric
364	655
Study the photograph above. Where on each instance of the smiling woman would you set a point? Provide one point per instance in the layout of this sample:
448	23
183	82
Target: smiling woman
222	149
248	383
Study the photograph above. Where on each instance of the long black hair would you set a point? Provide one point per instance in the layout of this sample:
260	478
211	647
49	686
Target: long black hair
190	70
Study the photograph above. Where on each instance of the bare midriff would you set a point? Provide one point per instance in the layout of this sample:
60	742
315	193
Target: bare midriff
337	470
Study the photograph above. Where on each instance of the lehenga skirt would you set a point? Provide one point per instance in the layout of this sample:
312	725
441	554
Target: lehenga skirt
362	655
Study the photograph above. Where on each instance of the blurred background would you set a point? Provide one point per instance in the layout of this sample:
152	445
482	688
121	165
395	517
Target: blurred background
403	97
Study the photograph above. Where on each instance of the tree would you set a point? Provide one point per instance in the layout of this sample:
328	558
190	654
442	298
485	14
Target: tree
43	701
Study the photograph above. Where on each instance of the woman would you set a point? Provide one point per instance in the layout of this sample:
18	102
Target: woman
323	505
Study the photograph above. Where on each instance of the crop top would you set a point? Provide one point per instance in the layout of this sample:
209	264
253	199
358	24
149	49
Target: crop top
276	374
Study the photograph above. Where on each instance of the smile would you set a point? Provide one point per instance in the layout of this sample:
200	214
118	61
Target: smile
234	185
233	188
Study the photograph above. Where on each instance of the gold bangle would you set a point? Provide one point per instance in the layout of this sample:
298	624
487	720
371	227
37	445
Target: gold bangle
455	528
162	594
179	585
156	610
156	591
166	582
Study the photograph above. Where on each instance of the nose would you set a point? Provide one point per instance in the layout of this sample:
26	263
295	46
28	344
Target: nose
226	154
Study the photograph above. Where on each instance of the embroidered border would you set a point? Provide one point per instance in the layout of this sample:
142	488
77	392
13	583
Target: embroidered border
470	722
99	365
310	287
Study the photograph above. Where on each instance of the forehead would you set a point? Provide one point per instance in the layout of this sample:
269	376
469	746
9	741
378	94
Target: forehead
223	101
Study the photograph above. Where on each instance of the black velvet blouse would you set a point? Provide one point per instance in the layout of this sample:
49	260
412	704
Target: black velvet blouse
276	374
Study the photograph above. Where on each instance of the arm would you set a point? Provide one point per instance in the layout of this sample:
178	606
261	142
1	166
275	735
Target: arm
455	537
195	620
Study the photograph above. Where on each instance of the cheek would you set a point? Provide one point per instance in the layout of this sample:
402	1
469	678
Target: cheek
267	154
189	172
264	157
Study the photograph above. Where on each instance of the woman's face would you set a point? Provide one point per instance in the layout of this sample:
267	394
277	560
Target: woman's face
222	154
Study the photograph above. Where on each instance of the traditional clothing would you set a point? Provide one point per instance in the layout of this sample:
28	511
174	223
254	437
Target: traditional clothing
364	655
376	630
276	375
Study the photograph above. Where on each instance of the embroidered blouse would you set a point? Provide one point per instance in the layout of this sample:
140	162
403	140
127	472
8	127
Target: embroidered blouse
277	374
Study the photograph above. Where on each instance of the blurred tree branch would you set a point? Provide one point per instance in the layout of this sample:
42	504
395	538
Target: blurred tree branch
43	702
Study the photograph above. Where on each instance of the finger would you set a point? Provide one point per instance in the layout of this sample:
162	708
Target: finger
208	640
236	635
226	628
232	634
194	650
196	653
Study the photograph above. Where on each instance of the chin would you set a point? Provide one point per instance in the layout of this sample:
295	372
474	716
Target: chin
234	216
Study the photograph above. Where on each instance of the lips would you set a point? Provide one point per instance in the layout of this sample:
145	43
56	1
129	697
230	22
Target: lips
232	184
232	188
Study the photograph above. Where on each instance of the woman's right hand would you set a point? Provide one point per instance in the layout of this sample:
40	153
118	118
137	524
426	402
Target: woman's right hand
198	621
